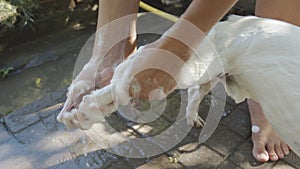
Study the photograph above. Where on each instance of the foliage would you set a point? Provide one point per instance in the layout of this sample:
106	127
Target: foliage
3	114
4	72
17	13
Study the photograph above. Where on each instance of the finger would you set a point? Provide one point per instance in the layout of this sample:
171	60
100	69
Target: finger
108	109
90	113
120	84
74	91
78	90
68	119
80	97
66	107
102	96
121	92
74	95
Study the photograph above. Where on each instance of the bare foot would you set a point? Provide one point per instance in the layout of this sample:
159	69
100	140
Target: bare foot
267	145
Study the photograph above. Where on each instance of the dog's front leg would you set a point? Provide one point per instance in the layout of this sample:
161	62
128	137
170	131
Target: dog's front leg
93	108
195	96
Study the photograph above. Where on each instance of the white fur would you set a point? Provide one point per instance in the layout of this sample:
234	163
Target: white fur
261	57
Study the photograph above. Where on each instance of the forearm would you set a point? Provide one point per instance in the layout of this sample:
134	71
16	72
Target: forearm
116	22
186	34
205	13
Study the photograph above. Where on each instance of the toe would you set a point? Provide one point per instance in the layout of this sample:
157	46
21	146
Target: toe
285	148
259	152
272	153
279	150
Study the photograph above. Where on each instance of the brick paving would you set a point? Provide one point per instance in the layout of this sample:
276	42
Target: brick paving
45	143
30	137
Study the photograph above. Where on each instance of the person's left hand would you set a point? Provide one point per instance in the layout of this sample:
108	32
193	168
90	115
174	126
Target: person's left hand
144	73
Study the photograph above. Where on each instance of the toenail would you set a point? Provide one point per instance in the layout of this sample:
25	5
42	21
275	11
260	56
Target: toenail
262	157
273	156
286	152
255	129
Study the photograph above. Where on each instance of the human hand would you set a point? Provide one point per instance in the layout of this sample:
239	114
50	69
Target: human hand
96	74
87	80
92	109
149	73
147	69
137	77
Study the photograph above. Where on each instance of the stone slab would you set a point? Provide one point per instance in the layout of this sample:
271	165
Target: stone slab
55	109
202	157
243	158
120	164
47	152
239	122
283	165
292	159
27	115
4	136
160	162
97	159
18	121
224	141
13	155
32	134
228	165
68	165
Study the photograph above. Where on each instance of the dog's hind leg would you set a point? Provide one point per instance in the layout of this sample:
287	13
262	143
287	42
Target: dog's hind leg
195	96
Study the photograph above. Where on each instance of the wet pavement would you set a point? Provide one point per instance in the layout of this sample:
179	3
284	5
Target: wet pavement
30	136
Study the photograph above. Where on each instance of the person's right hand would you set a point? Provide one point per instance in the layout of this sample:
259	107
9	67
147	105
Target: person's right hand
82	85
96	74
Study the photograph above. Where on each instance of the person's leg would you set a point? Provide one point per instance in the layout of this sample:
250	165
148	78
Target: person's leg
267	145
284	10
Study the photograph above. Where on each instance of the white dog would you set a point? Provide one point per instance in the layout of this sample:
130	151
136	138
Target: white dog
261	61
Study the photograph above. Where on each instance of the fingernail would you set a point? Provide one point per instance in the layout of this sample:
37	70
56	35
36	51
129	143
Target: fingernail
59	117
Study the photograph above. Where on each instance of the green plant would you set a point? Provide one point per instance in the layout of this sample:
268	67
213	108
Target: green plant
8	14
3	114
4	71
17	13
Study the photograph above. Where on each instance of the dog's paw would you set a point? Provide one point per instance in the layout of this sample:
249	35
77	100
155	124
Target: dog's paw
74	95
94	107
193	119
70	119
77	89
198	122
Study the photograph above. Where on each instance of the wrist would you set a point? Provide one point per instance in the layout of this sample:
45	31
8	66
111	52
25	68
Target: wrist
172	45
118	52
182	39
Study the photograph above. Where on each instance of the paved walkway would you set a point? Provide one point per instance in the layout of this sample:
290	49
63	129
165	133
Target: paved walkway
34	139
30	137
